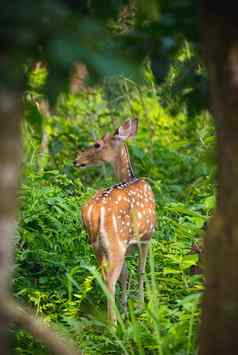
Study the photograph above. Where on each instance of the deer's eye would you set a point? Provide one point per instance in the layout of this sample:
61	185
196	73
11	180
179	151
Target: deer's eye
97	145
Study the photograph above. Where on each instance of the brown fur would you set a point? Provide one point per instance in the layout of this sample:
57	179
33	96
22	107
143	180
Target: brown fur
121	216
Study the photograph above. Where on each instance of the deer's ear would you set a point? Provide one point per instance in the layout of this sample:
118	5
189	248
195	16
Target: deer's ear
106	138
127	130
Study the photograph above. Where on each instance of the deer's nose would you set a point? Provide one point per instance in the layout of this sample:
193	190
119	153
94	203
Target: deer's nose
80	165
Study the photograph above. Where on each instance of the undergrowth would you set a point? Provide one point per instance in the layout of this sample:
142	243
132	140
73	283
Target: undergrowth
56	270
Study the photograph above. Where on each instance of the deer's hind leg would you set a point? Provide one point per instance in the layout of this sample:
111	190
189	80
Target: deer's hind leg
111	267
143	252
124	286
124	281
113	272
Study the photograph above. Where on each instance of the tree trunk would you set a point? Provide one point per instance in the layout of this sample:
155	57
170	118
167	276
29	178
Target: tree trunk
10	113
10	117
219	321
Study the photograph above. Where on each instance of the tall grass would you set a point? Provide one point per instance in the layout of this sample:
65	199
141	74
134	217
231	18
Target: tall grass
56	270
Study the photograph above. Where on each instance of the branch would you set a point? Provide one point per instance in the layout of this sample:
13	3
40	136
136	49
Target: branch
57	344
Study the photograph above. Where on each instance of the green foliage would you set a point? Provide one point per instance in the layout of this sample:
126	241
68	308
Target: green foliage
186	81
110	37
56	270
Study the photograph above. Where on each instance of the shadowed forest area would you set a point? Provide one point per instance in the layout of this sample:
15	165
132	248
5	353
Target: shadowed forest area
71	72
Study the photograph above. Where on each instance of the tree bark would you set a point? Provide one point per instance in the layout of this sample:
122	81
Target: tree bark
10	118
10	113
219	321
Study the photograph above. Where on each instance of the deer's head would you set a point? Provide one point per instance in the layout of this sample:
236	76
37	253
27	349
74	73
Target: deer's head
108	147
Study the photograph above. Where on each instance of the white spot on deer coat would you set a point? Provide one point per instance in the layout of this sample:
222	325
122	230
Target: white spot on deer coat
103	232
89	214
114	222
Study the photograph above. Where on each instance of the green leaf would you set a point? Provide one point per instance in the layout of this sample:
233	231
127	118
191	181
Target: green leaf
168	270
210	202
188	261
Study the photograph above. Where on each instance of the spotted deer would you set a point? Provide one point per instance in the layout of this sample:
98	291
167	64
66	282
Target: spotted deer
119	216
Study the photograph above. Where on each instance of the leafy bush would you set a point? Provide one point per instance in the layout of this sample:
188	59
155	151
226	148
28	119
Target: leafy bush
55	265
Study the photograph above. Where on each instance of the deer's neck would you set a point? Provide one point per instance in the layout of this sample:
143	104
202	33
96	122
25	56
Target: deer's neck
122	165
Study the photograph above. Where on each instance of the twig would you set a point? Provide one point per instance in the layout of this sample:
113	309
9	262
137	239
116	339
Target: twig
56	343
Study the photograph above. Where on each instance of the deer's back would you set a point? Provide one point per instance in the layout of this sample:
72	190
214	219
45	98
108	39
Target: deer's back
123	214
